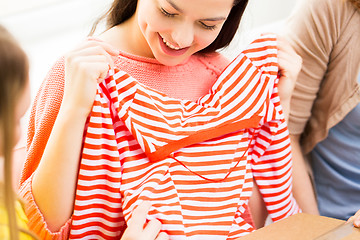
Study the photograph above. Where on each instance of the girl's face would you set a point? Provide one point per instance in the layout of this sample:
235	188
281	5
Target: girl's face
176	29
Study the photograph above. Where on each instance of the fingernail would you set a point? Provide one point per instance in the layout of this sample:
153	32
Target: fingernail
357	223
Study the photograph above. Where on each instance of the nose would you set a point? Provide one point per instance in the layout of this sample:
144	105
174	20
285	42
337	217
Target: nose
183	34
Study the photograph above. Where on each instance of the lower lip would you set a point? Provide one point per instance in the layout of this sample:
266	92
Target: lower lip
169	51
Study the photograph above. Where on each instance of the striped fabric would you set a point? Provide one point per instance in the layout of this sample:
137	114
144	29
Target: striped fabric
195	161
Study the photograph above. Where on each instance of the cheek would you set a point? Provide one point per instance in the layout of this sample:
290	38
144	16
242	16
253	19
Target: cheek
206	37
153	21
149	18
155	24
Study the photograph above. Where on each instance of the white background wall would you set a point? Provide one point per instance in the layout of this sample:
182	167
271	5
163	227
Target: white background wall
49	28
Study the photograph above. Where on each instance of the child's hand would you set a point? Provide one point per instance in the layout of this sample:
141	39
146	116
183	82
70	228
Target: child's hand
136	230
355	219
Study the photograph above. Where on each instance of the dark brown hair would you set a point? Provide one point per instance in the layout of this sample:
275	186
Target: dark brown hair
356	3
13	79
122	10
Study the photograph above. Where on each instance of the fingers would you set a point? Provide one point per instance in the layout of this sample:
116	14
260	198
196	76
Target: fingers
92	49
283	43
138	217
152	229
162	236
289	61
288	58
93	43
355	219
289	68
85	67
96	51
136	230
94	67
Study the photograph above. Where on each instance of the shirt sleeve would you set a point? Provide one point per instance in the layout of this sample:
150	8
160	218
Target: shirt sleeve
273	172
272	162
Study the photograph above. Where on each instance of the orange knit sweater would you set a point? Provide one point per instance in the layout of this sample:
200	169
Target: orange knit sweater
175	81
256	126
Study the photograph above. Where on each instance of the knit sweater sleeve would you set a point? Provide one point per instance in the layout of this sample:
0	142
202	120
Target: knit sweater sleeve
42	118
37	223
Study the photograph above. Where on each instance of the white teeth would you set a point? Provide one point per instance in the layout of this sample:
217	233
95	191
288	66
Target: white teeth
169	45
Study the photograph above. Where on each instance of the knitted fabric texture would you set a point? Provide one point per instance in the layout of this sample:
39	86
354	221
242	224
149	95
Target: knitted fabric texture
205	69
195	161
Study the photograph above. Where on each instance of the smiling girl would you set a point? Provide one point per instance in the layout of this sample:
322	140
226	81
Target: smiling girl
170	46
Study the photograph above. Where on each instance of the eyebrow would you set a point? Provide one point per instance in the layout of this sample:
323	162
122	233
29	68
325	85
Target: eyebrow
174	5
204	19
213	19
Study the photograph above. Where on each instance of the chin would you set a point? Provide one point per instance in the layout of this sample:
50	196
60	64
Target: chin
170	61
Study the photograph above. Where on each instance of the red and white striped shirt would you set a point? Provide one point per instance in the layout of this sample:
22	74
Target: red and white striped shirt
195	161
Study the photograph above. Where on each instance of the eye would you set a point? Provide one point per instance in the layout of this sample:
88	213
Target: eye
208	27
166	13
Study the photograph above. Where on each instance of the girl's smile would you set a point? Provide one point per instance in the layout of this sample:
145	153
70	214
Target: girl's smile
173	30
170	49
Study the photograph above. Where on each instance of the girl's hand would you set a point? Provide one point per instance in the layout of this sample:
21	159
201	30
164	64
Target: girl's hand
136	229
289	67
355	219
85	67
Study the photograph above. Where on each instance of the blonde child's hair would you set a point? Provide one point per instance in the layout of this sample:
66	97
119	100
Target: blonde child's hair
14	70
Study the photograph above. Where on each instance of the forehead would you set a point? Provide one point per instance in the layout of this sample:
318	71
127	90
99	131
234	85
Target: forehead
209	8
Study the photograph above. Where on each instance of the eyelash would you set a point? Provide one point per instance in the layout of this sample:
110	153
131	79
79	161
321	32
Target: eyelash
170	15
166	14
207	27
